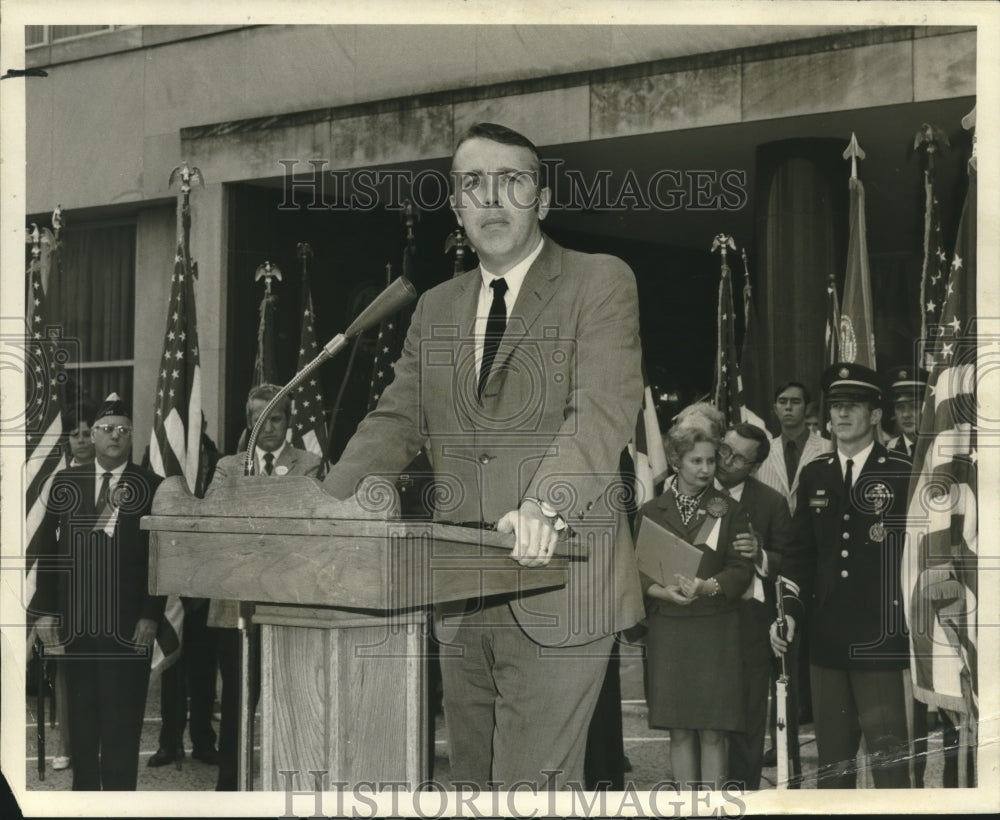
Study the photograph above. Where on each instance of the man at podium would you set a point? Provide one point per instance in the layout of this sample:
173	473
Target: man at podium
523	376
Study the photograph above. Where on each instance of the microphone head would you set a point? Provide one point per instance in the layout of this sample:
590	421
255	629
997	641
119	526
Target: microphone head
388	302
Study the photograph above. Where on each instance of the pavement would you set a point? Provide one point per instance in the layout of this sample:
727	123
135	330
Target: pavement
647	749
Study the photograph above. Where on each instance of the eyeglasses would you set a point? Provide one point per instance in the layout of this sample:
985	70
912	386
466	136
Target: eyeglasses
727	453
108	429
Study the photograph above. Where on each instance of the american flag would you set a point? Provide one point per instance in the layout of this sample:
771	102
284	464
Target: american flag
43	412
728	390
934	274
308	410
388	346
857	327
175	446
647	447
941	555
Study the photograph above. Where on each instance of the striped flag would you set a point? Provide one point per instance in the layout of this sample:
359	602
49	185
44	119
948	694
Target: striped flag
646	448
175	447
857	327
939	573
388	346
44	402
308	410
727	394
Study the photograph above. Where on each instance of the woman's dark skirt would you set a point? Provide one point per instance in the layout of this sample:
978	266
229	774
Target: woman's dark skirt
694	671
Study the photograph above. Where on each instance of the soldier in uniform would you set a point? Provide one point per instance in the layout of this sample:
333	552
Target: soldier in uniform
843	569
908	386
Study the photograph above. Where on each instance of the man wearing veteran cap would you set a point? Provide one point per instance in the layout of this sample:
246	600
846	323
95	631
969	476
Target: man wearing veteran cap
908	386
843	569
93	574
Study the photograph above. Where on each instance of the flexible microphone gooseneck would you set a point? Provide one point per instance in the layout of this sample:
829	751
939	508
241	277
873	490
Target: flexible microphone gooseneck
389	301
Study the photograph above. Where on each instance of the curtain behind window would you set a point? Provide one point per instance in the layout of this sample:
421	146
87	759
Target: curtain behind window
93	297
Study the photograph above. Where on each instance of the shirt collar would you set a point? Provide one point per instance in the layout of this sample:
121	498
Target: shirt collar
800	440
859	459
736	491
515	276
116	473
276	453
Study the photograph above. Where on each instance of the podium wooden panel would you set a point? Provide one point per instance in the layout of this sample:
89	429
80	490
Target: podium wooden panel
342	594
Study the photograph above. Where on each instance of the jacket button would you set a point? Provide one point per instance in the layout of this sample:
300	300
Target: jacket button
843	553
843	573
847	516
895	602
846	535
485	458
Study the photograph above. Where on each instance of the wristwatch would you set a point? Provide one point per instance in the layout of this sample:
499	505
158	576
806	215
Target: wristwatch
558	523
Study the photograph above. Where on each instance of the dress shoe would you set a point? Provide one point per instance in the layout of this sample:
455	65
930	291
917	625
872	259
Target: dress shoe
60	762
206	755
163	757
770	757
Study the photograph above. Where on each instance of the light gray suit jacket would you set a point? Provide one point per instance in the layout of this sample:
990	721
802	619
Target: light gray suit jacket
559	406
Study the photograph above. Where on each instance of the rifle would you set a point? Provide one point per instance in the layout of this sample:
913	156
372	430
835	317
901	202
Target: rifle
781	695
42	685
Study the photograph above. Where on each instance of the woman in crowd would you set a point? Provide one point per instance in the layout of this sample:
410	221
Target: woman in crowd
693	685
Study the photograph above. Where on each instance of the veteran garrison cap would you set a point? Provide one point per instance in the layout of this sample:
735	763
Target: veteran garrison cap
112	406
848	381
908	382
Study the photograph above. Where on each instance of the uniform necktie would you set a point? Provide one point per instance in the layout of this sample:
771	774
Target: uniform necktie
496	324
848	476
102	496
269	463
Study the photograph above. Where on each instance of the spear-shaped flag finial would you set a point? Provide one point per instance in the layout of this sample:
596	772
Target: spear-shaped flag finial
854	153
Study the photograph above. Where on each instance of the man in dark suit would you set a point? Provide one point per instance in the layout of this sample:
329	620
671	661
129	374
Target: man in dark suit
523	376
274	456
93	572
843	568
743	449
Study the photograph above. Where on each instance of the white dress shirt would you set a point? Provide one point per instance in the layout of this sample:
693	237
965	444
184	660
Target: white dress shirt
260	458
116	475
859	461
514	278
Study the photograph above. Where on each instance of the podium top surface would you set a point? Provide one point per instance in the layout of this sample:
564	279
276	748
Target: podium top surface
257	539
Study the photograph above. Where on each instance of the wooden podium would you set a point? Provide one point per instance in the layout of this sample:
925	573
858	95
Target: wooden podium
343	596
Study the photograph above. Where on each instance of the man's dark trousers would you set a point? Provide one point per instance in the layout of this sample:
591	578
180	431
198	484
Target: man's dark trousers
192	677
107	700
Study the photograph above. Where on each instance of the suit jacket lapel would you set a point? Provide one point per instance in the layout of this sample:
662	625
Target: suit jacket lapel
289	458
536	292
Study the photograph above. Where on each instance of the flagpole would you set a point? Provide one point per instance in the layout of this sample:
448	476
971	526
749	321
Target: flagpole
458	242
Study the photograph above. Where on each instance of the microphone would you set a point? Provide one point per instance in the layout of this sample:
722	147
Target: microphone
388	302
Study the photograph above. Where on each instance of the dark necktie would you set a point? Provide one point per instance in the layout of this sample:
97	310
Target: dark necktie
496	324
102	496
791	460
269	463
848	477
